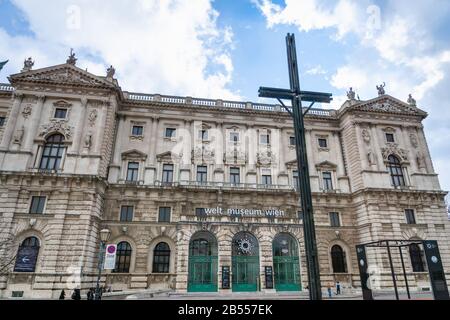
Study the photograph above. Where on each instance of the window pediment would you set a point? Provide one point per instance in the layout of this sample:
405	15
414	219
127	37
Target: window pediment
134	155
327	165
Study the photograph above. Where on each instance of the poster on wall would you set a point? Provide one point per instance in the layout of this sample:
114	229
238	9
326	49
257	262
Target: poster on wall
110	257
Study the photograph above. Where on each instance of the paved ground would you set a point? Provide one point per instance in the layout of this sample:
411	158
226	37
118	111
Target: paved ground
262	296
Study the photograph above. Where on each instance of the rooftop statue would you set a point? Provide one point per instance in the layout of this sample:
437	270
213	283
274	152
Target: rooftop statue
72	60
351	94
28	65
110	72
381	90
411	101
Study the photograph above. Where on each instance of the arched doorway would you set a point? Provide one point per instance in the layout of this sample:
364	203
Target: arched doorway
286	263
245	260
202	263
27	255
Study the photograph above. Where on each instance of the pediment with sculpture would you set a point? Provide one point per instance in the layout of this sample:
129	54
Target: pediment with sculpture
393	149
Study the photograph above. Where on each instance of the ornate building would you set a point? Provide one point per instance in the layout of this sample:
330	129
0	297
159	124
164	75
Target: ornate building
191	188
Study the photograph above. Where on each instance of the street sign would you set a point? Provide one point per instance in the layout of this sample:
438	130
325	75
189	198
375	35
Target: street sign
110	257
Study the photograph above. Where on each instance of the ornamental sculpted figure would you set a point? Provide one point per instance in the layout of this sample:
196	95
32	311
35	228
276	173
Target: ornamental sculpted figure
366	136
72	60
351	95
18	136
381	90
414	141
93	117
110	72
26	112
411	101
88	141
28	65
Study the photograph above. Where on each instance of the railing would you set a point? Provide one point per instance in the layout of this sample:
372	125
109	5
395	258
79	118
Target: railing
6	87
222	185
220	103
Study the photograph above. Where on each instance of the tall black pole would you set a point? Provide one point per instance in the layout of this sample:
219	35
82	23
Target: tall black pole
392	270
315	290
404	272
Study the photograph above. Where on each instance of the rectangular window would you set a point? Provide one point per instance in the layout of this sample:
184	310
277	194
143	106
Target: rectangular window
167	173
60	113
334	219
323	143
292	141
126	213
202	174
410	217
200	212
164	214
2	121
138	131
171	132
133	172
203	135
296	180
235	175
266	177
390	137
37	205
265	139
234	136
327	181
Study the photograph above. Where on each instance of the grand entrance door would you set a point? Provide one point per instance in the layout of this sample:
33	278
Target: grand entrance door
202	263
245	260
286	263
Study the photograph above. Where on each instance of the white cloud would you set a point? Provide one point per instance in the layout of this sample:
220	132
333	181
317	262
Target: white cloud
169	47
317	70
394	44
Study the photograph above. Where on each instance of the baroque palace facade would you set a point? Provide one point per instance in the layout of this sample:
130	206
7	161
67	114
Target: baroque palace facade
194	188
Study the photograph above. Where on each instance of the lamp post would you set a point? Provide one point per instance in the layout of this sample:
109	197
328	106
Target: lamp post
104	237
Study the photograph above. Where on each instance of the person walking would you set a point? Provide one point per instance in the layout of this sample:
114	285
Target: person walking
62	296
338	288
76	294
330	293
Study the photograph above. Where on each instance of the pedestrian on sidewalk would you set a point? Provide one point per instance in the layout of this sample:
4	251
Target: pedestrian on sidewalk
62	296
338	288
330	293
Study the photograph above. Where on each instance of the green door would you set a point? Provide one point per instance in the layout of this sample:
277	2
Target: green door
245	263
286	263
245	274
202	274
287	273
202	263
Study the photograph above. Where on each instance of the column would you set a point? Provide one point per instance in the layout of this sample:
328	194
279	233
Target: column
35	122
80	126
154	141
12	120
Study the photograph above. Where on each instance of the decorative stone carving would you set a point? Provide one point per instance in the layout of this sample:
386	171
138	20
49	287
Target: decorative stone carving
366	136
394	149
414	141
64	76
110	72
93	115
411	101
265	158
72	60
59	126
88	140
381	90
235	156
351	95
28	65
18	136
27	110
421	162
202	154
371	158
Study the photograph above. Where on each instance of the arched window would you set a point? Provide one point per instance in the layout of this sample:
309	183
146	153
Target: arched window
52	153
123	258
27	255
416	258
161	258
395	169
338	259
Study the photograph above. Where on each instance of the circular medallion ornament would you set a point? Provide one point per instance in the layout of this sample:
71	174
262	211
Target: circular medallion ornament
245	246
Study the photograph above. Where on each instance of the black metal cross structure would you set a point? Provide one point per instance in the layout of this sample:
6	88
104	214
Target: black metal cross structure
297	97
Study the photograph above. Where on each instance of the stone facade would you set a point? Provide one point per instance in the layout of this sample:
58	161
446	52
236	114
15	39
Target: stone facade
106	129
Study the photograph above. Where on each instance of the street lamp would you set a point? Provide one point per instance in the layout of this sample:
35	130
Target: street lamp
104	237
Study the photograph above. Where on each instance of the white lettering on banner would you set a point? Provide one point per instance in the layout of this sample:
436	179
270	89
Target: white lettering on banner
244	212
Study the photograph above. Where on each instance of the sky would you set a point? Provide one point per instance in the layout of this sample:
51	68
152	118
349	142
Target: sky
227	49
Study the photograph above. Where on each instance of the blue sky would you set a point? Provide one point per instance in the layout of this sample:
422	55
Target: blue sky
228	48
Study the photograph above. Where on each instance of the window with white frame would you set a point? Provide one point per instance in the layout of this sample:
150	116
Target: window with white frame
266	177
37	205
264	138
335	219
137	131
167	173
327	177
234	137
133	172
